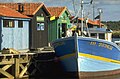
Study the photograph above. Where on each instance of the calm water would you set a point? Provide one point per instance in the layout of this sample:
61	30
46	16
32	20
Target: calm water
112	77
60	77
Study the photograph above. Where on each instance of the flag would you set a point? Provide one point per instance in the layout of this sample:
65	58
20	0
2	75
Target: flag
97	17
52	18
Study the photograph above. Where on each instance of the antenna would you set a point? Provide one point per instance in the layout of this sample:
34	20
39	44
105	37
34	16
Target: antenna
93	9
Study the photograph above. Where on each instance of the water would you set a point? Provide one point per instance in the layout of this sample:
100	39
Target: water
61	77
108	77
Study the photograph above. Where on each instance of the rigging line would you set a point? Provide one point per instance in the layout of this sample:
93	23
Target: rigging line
77	13
89	10
91	3
79	10
74	6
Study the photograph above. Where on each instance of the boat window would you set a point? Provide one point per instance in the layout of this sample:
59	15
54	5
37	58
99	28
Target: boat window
94	35
101	36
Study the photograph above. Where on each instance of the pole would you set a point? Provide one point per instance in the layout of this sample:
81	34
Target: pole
82	17
93	11
100	19
100	12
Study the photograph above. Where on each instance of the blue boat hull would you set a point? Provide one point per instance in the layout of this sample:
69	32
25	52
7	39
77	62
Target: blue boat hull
88	55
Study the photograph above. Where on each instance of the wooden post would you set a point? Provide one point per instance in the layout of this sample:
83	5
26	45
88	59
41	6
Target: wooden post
23	71
5	63
17	70
6	74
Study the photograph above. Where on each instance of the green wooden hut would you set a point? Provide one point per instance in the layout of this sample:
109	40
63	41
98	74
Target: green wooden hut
59	22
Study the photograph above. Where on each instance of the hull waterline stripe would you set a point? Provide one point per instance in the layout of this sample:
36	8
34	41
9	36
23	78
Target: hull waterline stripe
90	56
99	58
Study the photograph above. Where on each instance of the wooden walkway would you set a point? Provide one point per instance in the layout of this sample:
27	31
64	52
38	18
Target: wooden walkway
14	66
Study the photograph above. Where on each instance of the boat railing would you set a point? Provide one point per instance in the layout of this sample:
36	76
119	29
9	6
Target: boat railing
117	42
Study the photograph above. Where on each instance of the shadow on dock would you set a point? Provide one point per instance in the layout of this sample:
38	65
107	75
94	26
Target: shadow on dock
45	65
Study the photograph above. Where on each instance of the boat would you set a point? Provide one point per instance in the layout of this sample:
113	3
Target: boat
87	56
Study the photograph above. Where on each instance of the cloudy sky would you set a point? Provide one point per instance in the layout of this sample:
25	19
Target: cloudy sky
111	8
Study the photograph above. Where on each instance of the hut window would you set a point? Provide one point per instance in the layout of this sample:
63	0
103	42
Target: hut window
20	24
40	26
41	14
8	23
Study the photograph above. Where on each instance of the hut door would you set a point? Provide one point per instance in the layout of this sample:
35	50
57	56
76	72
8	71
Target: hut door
7	34
7	38
64	29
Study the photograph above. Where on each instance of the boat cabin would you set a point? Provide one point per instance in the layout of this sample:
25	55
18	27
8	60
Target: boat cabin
94	29
101	33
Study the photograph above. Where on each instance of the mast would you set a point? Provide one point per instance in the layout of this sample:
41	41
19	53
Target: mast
82	8
82	17
100	12
93	10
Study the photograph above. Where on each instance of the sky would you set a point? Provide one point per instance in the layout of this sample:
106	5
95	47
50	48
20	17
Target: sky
110	8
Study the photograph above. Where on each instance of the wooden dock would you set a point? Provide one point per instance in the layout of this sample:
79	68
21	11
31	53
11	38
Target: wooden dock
14	66
37	62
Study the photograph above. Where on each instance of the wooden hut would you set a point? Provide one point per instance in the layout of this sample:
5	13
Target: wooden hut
14	29
59	23
38	23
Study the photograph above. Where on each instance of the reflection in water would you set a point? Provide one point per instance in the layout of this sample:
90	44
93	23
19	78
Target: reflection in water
54	70
60	77
106	77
